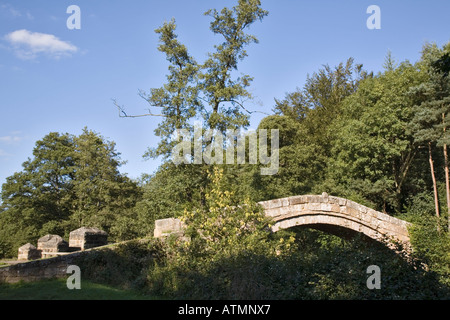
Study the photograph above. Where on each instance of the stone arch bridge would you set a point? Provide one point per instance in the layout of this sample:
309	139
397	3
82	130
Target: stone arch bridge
332	214
328	213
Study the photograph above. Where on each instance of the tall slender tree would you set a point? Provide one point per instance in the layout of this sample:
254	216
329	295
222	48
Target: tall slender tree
211	88
178	98
422	127
442	80
224	94
431	119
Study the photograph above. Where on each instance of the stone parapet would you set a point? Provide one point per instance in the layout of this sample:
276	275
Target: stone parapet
50	244
37	270
325	209
86	238
318	210
53	245
28	252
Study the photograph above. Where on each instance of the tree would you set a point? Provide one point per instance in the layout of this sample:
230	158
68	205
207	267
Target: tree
191	85
209	91
431	113
218	86
305	119
319	102
301	164
101	192
178	98
71	181
169	191
375	148
44	186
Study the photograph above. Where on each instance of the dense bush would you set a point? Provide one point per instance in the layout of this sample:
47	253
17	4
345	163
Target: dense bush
432	246
124	265
230	253
321	267
350	133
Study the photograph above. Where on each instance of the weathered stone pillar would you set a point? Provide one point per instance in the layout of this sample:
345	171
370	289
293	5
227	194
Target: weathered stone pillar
86	238
28	252
51	244
166	227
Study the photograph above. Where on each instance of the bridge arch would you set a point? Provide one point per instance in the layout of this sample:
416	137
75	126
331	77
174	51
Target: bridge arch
321	210
332	212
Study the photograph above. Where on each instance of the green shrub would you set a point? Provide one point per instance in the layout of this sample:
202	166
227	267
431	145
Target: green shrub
337	271
124	265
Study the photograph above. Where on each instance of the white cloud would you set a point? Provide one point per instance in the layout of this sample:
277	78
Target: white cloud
28	45
13	138
10	139
10	11
4	154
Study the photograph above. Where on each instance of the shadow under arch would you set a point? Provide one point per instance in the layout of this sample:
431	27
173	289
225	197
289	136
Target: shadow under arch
337	216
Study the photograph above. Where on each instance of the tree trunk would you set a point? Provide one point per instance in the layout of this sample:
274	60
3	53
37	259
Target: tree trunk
447	184
436	199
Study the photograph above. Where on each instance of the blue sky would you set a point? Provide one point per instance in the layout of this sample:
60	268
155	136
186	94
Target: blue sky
56	79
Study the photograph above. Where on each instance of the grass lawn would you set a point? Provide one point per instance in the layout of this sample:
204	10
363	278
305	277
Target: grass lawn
57	290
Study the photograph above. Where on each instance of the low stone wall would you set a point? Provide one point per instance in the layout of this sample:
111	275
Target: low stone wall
36	270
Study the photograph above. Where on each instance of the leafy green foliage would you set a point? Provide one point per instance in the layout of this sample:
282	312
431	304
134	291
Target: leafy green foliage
320	267
72	181
217	81
368	138
178	98
300	165
208	91
431	244
224	226
375	148
431	118
306	122
124	266
168	193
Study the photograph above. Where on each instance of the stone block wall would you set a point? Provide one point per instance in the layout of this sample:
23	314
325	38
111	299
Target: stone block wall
28	252
49	245
165	227
49	268
36	270
86	238
53	245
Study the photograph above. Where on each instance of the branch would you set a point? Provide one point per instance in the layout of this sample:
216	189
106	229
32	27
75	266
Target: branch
123	114
240	105
249	112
